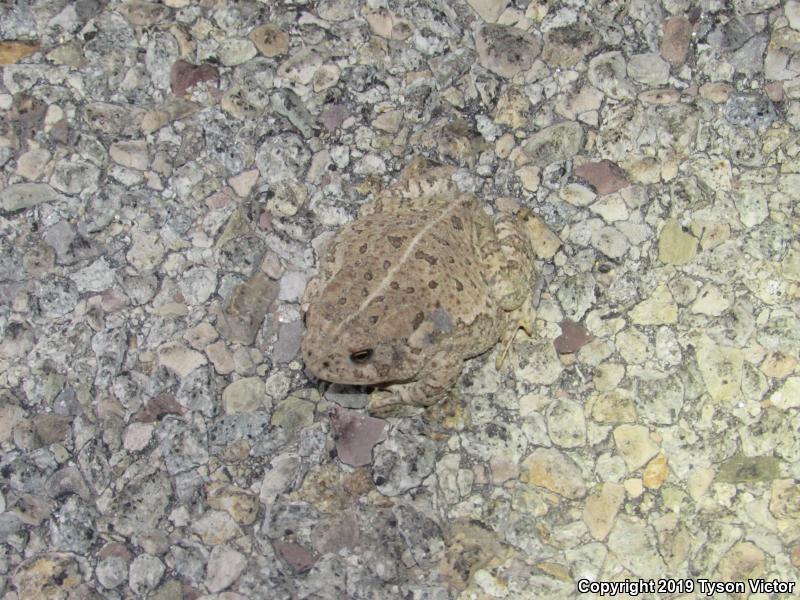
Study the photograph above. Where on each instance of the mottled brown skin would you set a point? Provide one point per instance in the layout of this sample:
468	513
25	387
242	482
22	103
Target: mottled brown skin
417	284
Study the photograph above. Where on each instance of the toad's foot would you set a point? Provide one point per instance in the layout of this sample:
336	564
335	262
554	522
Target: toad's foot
401	399
522	318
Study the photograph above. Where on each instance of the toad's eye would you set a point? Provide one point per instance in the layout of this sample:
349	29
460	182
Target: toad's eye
361	356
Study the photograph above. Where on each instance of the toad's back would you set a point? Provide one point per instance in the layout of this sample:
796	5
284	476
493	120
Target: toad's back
421	258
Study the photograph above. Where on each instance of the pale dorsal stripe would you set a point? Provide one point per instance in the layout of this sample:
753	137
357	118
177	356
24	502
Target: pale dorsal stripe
391	272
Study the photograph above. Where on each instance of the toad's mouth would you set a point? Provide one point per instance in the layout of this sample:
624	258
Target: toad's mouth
368	383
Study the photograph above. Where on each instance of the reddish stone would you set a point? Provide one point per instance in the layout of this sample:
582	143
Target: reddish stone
114	549
298	557
219	199
163	404
774	90
184	75
265	221
572	338
604	176
356	435
113	300
333	116
677	37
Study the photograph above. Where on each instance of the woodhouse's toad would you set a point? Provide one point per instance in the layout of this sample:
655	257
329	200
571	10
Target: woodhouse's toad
421	281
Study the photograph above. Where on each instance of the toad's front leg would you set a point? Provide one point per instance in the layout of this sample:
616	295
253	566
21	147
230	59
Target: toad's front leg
435	380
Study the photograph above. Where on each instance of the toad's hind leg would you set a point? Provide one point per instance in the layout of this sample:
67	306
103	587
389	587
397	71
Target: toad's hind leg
512	268
509	262
521	318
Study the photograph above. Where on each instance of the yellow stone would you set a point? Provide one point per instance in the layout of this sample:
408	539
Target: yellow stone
659	309
545	243
675	246
529	177
778	365
634	445
613	406
553	470
12	51
601	509
788	396
656	472
721	369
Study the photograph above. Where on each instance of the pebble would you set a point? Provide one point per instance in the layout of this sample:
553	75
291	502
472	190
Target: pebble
387	24
112	571
613	406
356	435
545	243
601	508
245	307
659	309
555	143
778	364
744	560
530	177
566	46
270	40
224	567
32	164
676	40
505	50
216	527
131	154
39	576
656	472
608	73
293	414
488	10
661	400
179	359
12	51
635	445
610	241
244	395
577	194
721	369
675	246
636	548
239	503
145	573
648	68
604	176
566	425
553	470
184	75
788	395
541	363
19	196
137	436
710	301
611	209
300	67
